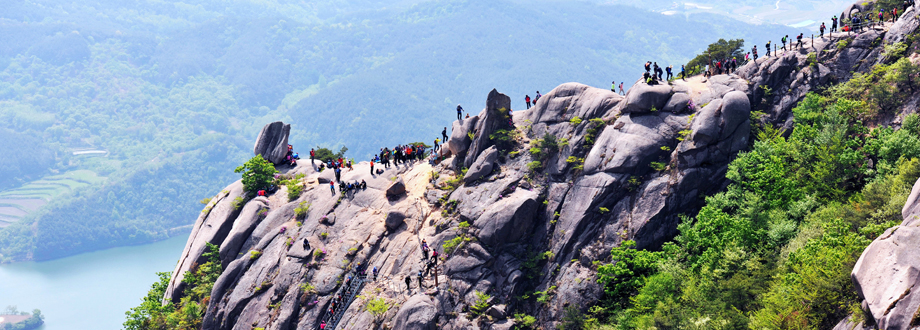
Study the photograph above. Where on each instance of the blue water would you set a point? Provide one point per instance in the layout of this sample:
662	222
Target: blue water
91	290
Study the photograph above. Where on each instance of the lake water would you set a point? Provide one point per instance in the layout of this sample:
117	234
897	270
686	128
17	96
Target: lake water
91	290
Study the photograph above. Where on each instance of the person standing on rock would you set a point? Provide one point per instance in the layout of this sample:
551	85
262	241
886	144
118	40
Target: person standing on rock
798	42
648	66
613	86
621	89
537	98
332	186
822	29
425	249
783	40
834	24
754	51
375	273
459	112
527	99
768	48
420	284
372	167
444	134
312	155
408	282
670	70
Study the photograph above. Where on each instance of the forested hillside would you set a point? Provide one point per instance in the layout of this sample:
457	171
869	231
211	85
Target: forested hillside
170	94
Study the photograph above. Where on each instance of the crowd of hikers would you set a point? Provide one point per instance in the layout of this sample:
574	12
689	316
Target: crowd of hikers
859	21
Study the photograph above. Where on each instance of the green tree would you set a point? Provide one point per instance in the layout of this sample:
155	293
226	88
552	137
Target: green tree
718	50
258	173
326	155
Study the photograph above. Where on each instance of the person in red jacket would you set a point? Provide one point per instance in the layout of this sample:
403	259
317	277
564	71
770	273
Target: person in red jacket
312	155
527	99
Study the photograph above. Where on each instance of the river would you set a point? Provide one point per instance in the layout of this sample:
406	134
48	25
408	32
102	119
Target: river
91	290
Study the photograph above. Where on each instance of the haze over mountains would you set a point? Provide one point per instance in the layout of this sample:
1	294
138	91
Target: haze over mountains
169	95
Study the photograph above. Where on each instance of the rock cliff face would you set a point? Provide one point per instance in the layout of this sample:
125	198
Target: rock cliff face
624	169
887	275
778	83
527	215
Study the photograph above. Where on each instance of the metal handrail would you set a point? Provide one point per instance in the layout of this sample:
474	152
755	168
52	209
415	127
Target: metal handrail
350	293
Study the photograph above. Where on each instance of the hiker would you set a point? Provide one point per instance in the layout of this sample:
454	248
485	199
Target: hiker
798	42
527	99
322	326
312	155
375	273
822	29
648	66
613	86
670	74
754	51
834	24
444	134
783	40
372	167
434	257
881	15
683	72
425	249
408	281
306	244
459	112
332	186
363	184
657	70
768	48
420	284
537	98
894	14
621	89
338	174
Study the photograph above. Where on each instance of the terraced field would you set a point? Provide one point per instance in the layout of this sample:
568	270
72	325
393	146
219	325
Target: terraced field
19	202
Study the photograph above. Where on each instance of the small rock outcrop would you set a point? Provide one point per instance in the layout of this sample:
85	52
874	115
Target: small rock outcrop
482	166
396	188
495	116
887	274
272	142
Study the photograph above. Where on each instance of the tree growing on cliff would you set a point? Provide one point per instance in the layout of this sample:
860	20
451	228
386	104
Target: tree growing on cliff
258	173
718	50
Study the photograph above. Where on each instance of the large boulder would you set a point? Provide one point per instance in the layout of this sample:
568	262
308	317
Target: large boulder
887	274
507	220
418	313
483	165
394	220
645	97
887	277
272	142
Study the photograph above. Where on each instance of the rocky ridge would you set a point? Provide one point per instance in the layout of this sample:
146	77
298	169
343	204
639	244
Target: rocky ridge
515	222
